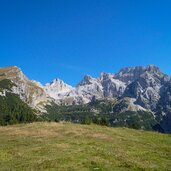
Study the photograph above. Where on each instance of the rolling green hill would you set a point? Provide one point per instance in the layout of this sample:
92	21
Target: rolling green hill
74	147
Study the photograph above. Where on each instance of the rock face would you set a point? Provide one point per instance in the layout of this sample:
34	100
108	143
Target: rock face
29	91
130	74
147	87
164	107
106	86
57	88
141	83
112	86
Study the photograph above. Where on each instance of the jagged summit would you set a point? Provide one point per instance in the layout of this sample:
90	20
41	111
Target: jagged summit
131	68
104	76
137	70
56	88
152	67
141	83
130	74
58	83
108	85
55	81
86	80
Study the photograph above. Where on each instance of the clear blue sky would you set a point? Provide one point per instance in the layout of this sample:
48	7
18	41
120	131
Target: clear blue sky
70	38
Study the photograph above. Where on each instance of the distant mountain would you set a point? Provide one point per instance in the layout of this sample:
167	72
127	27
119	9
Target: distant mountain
57	89
141	83
133	89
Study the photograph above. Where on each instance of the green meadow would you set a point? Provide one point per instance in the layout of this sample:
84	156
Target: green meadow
74	147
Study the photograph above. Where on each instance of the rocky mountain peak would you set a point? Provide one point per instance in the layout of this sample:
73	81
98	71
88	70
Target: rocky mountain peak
57	88
57	85
152	72
130	74
87	80
29	91
131	70
57	81
12	72
153	68
105	76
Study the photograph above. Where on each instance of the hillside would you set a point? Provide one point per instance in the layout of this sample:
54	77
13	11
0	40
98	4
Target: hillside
29	91
104	112
66	146
12	109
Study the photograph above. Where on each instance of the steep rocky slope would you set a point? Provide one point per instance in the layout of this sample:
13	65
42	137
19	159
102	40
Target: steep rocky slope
29	91
143	84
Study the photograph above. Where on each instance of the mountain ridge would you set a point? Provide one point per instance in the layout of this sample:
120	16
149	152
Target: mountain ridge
144	88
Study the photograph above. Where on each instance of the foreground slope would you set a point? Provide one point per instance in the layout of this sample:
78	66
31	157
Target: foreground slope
66	146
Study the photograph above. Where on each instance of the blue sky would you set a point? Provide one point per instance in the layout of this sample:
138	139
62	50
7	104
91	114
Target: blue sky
67	39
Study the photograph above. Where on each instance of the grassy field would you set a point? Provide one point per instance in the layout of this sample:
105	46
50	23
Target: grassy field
66	146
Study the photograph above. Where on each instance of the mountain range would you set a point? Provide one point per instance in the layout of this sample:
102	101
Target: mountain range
137	89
